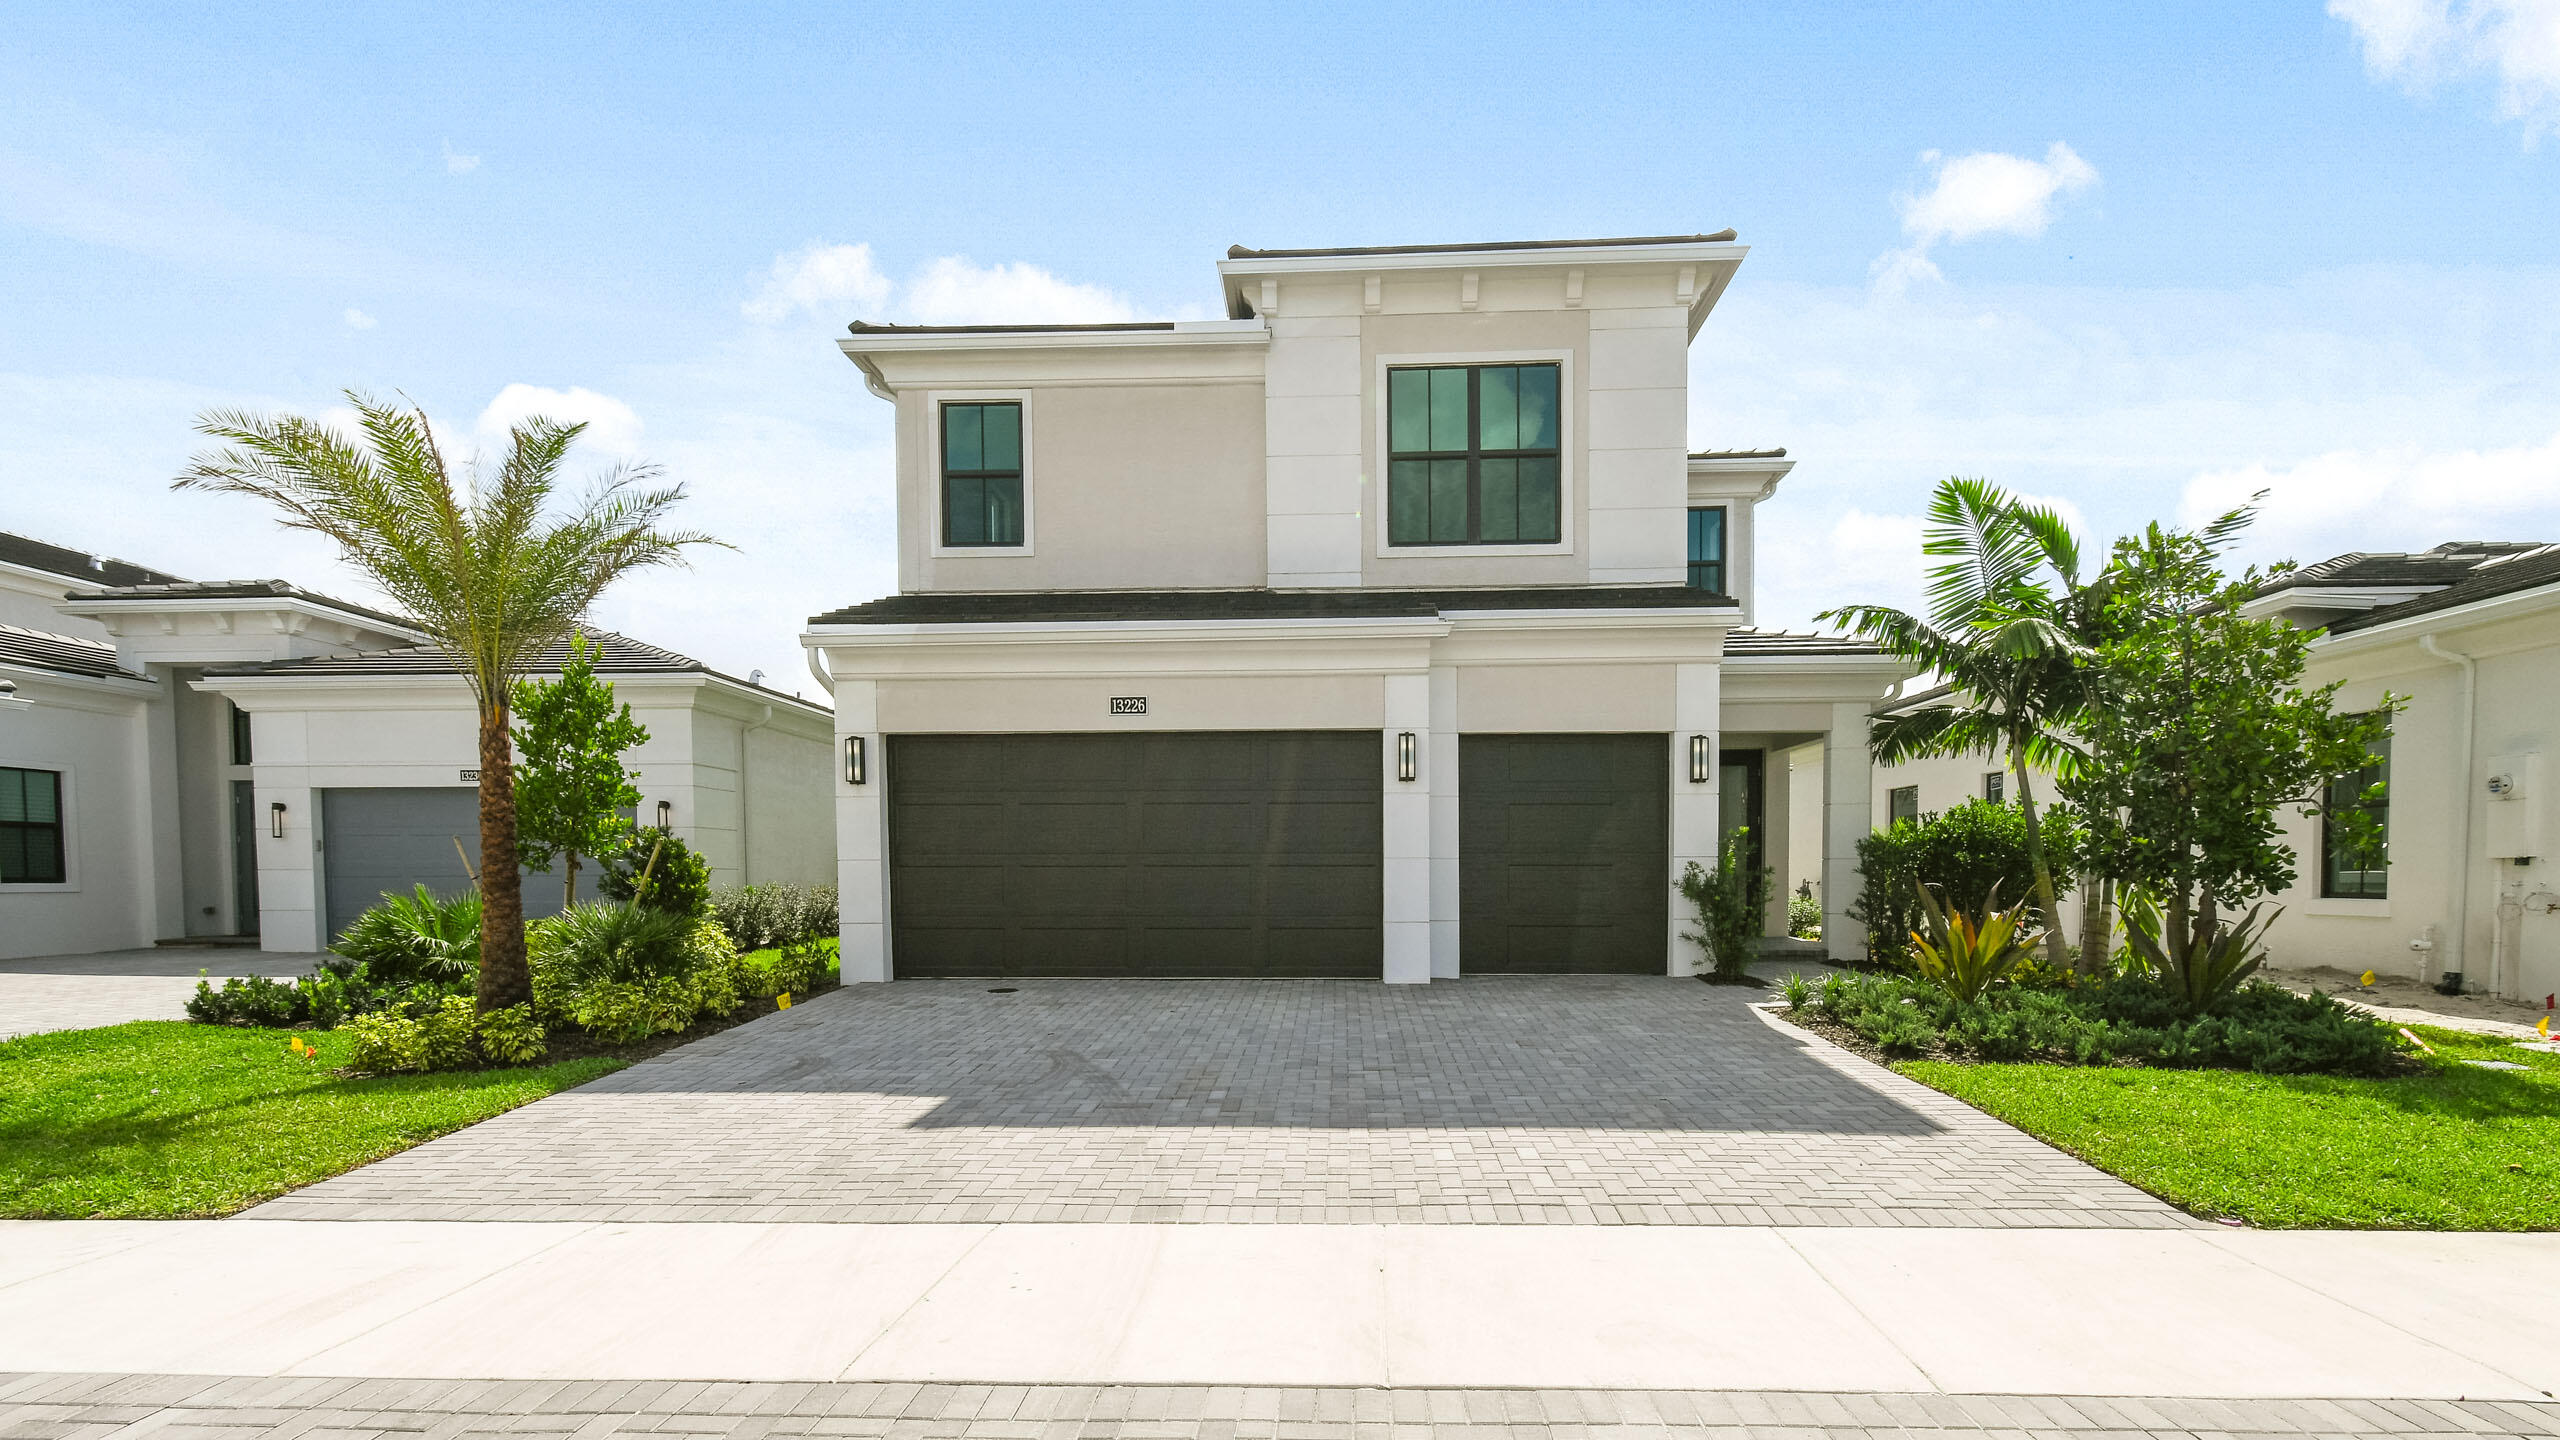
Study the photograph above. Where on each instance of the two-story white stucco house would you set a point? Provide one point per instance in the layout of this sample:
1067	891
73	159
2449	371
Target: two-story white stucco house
1388	626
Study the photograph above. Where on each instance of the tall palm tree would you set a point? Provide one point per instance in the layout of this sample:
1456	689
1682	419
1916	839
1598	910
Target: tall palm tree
2010	627
473	558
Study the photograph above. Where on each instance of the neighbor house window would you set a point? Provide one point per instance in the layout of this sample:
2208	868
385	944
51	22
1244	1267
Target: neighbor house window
30	827
1706	548
239	736
1473	455
1901	803
1995	786
2354	856
982	473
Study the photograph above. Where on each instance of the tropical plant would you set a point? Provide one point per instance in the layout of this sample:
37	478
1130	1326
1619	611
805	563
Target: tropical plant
1963	956
572	788
1968	853
758	917
2202	739
1732	902
410	939
473	558
511	1036
1804	912
658	872
614	942
2010	629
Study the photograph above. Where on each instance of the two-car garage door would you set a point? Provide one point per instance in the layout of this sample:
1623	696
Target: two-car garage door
1260	853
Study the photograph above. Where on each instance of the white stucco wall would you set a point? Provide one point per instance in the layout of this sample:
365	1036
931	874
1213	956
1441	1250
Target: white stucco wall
93	733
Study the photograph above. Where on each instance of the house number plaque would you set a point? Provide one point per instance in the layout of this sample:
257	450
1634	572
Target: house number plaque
1128	704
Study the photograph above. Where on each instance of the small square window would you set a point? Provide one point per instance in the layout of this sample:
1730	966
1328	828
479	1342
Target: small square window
1995	786
1902	802
982	473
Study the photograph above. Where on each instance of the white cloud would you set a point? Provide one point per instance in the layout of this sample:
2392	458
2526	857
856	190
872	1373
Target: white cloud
953	291
1971	196
358	320
612	426
818	277
2401	498
2419	43
458	164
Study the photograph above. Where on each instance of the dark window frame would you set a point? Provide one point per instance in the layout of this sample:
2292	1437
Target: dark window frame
241	750
1710	575
1019	474
1894	800
2372	881
12	832
1475	454
1995	786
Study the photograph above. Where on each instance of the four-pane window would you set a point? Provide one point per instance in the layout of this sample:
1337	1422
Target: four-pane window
1473	455
982	473
1706	548
30	827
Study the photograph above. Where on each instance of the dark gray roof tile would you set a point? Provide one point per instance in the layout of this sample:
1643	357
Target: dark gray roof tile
66	654
76	565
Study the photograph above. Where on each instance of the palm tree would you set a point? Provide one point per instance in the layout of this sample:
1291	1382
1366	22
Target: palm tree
2014	650
473	559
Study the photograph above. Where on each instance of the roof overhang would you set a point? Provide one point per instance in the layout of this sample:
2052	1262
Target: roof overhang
1751	477
864	347
2343	598
1699	269
2521	604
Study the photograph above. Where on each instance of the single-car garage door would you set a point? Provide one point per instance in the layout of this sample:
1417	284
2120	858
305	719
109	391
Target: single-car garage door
374	841
1564	853
1174	854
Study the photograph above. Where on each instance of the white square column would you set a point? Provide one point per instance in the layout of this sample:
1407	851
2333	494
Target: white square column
862	836
1407	818
1440	752
1697	696
1848	816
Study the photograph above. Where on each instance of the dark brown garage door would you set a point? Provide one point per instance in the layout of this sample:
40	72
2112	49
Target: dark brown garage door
1564	853
1186	854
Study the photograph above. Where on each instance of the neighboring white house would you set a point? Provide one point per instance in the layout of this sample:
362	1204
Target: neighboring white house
1388	626
216	761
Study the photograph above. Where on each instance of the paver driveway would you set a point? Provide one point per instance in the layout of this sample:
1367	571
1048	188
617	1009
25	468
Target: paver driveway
1589	1100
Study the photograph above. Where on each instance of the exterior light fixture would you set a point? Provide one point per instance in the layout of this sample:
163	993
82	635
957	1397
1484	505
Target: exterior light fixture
1405	756
1698	759
856	770
275	818
666	816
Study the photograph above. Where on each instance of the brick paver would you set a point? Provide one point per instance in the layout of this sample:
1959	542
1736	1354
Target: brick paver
88	1407
1508	1100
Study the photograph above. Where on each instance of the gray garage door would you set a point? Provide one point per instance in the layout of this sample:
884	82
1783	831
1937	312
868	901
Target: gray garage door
1564	853
391	840
1188	854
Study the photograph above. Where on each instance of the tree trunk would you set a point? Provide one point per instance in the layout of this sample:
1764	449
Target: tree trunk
2056	954
504	980
569	892
2097	923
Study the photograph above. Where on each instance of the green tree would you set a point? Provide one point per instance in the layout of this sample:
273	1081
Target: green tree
2201	735
475	561
1732	902
571	785
2009	627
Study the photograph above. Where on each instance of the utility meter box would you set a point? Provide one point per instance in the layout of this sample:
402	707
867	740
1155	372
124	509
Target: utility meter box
2513	790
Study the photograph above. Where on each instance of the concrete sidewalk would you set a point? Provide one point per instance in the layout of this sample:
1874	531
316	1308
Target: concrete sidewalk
80	992
1954	1312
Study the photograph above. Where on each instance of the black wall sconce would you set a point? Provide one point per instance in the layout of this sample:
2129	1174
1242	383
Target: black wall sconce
666	816
1699	758
275	818
1406	754
855	768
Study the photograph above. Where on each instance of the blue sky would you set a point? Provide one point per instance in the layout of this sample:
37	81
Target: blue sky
2277	246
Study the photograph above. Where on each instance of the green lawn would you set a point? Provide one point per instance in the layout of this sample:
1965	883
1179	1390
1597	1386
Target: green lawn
2457	1148
165	1118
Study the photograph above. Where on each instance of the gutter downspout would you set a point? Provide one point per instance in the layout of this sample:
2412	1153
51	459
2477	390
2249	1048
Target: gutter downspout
2453	964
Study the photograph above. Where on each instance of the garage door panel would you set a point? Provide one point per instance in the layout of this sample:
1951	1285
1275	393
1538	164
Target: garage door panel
1199	854
393	839
1564	853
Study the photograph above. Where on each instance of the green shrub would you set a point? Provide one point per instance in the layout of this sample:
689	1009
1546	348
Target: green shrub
385	1044
253	1000
761	917
1964	852
614	941
449	1033
510	1036
623	972
1797	991
613	1011
421	938
1964	957
1804	913
659	872
1732	903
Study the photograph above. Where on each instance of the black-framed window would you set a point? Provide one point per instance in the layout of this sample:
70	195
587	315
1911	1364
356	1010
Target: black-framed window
30	827
1995	786
1473	455
1706	548
1901	803
239	736
2356	864
982	472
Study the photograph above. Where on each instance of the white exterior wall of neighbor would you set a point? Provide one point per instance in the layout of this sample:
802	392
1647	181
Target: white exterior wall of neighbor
317	733
2450	881
94	733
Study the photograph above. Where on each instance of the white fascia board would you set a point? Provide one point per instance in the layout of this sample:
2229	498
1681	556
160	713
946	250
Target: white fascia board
1721	617
133	685
848	637
120	607
1184	333
2319	597
1884	665
2519	605
1736	477
1558	257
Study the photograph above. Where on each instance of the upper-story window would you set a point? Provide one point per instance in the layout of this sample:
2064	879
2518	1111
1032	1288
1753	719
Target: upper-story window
1473	455
1706	548
982	473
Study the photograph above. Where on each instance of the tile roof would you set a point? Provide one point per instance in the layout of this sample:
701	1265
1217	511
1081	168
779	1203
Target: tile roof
2513	570
1782	642
867	327
2442	565
240	590
1103	606
616	654
75	564
1242	252
1779	453
66	654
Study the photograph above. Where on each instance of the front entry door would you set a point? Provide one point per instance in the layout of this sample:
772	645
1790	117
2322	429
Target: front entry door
1742	799
244	858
